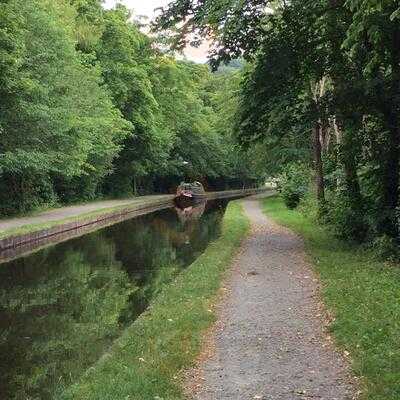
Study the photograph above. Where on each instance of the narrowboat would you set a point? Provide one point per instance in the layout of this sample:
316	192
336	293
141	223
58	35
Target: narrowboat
190	192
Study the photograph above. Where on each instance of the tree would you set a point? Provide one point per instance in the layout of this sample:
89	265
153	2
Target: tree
235	27
125	57
328	67
373	37
243	28
51	108
89	107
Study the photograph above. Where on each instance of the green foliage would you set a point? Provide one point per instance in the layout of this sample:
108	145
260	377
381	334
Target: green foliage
123	53
89	107
56	119
346	218
386	248
24	193
323	81
235	26
293	184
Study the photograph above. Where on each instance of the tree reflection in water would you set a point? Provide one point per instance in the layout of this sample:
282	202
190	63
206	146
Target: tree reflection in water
62	307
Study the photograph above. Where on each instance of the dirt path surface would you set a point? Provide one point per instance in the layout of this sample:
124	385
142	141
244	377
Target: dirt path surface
73	211
269	341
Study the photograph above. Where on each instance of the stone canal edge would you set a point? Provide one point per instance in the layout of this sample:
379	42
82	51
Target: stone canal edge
58	225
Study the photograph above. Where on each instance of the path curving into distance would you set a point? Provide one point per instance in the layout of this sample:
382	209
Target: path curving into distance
269	342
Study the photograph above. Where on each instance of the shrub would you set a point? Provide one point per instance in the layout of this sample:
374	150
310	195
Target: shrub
293	184
311	208
386	248
347	218
25	193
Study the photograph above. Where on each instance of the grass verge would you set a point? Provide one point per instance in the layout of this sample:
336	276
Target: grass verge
364	295
144	364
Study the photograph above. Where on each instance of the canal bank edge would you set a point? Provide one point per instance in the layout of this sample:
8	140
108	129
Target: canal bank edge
145	363
34	237
43	235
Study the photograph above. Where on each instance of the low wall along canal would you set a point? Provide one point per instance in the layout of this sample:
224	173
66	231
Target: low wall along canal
62	307
21	244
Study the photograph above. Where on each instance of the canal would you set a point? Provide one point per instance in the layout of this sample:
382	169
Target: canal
63	306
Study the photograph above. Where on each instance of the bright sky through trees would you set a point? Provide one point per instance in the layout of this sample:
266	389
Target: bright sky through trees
141	7
147	8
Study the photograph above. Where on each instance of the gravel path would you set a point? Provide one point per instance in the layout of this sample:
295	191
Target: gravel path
270	342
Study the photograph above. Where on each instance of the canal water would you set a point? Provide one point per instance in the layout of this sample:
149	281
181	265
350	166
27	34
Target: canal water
62	307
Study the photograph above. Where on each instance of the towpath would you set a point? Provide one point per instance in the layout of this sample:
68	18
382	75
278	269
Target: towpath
62	213
270	342
55	216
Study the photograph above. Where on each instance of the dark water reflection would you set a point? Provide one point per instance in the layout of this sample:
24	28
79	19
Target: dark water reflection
62	307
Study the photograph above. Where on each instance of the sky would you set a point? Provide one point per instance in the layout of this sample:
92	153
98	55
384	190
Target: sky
146	8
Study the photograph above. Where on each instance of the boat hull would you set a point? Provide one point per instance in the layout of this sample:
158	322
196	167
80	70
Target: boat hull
189	193
183	201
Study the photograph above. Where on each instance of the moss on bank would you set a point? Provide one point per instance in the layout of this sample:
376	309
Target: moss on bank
364	295
144	364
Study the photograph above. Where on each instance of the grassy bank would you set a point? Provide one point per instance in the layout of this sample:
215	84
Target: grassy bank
364	295
144	364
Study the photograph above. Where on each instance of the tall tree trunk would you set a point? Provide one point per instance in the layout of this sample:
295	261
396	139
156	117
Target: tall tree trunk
135	191
325	136
318	91
351	178
319	174
347	150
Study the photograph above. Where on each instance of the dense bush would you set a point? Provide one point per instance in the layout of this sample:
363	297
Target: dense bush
22	194
347	217
386	248
293	184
